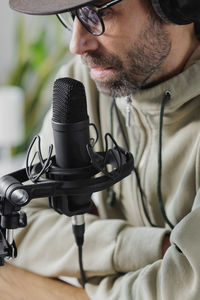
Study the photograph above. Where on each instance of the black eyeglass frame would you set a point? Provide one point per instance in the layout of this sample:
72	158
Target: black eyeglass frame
97	8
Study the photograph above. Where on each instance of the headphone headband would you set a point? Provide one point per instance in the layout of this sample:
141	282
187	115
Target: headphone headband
177	11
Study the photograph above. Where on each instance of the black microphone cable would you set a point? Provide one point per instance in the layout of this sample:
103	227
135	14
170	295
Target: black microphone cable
78	226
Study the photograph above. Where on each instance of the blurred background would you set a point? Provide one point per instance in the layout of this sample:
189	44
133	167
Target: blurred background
32	49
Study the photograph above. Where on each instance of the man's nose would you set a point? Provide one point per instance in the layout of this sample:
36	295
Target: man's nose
82	41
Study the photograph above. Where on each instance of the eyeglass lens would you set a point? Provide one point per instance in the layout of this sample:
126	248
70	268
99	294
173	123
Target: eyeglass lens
87	16
90	19
68	19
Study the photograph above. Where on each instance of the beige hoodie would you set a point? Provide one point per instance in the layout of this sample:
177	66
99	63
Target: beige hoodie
122	252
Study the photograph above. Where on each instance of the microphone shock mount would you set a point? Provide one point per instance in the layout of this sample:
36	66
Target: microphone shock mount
49	180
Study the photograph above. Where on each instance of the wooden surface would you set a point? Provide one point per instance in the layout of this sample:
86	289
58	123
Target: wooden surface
18	284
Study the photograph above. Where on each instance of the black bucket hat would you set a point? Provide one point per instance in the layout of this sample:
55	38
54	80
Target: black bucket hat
46	7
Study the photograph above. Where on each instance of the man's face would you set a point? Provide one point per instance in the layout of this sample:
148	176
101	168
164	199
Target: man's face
131	52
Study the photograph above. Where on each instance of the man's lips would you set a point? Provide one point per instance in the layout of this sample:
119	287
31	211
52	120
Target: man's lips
98	71
101	72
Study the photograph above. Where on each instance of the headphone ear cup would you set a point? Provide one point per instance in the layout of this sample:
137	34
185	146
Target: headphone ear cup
177	12
159	11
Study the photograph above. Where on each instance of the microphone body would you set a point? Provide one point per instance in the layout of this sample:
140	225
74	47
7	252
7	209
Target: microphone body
70	141
70	125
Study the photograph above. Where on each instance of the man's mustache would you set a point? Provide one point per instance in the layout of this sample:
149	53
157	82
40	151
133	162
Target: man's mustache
92	60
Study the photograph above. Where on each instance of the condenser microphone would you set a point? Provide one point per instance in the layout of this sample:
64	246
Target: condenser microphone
70	125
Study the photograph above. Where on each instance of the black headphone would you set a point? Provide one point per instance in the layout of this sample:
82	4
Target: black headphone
177	11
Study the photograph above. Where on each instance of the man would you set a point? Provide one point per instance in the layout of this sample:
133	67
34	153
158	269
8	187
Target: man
133	250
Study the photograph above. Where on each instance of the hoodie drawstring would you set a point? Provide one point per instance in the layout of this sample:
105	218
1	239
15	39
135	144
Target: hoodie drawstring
166	98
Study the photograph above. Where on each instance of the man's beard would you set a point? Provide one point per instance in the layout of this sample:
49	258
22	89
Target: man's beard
141	61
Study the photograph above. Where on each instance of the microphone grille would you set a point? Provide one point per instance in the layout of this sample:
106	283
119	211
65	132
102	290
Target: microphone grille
69	101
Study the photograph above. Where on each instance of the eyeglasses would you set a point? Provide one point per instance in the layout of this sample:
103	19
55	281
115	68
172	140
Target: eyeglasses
91	17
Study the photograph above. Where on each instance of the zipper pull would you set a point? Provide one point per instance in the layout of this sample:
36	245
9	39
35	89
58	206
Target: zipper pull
128	112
